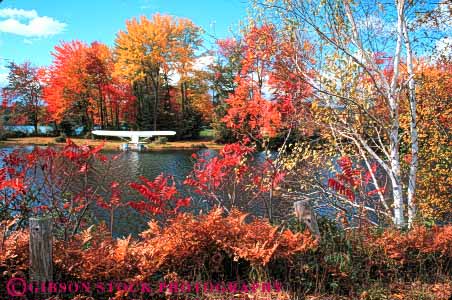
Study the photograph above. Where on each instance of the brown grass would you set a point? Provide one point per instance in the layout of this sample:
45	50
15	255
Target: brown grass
112	144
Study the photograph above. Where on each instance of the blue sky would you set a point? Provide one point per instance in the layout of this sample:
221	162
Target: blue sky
30	29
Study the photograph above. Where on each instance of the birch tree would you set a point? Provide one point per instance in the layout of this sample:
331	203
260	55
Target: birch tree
360	79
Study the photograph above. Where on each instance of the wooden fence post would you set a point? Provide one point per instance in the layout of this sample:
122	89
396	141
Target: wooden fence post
41	265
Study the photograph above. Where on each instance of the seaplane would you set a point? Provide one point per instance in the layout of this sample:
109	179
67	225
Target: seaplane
132	137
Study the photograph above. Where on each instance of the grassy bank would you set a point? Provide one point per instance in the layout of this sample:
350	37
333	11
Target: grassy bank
112	144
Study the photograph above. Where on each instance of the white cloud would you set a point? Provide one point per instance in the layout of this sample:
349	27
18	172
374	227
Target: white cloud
148	4
3	73
377	25
202	62
18	13
28	23
443	48
3	79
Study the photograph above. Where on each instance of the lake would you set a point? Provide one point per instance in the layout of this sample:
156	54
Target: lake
130	165
177	163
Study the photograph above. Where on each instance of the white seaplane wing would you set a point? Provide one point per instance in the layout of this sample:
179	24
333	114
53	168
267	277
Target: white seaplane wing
133	135
130	134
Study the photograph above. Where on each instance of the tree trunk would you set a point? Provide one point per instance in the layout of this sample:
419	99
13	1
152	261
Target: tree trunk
168	93
413	130
138	105
55	126
35	114
156	101
112	116
183	97
394	144
397	192
36	127
88	120
117	116
101	108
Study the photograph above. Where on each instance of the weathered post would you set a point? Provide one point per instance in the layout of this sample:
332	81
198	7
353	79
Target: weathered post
41	265
304	213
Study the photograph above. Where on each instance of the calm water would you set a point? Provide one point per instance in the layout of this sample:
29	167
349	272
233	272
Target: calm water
128	167
131	165
177	163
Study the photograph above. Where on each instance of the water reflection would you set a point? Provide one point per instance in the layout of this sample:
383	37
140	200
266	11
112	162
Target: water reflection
130	166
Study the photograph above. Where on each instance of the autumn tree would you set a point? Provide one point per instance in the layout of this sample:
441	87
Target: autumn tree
197	90
434	124
119	100
225	67
364	68
195	106
268	99
67	89
23	94
109	95
99	67
222	73
265	100
81	86
183	56
148	53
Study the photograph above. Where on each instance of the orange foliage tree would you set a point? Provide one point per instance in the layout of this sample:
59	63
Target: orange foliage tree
269	97
80	86
66	90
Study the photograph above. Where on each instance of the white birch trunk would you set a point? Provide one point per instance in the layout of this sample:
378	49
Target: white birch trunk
413	130
393	94
393	97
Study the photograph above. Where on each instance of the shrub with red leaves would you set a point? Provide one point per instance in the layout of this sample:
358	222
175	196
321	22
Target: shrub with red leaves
233	179
161	196
49	181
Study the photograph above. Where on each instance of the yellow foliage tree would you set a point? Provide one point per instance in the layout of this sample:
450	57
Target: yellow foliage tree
435	148
149	51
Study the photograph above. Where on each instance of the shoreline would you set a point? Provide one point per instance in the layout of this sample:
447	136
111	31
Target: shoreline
113	145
